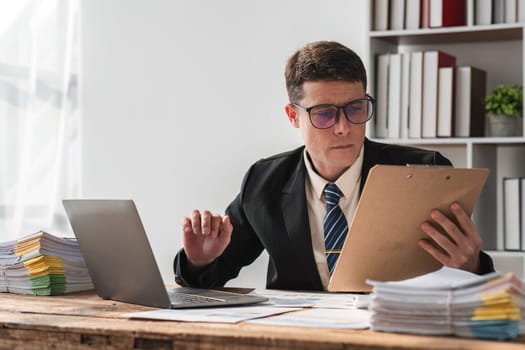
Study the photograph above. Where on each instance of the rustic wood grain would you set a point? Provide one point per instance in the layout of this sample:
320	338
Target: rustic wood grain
84	321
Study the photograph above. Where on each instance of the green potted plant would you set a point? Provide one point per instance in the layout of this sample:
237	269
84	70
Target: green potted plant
504	109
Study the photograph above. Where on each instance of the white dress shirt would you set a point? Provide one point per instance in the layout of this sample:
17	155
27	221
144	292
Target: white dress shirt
348	183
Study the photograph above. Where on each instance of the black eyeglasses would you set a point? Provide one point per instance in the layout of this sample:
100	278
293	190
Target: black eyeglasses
325	116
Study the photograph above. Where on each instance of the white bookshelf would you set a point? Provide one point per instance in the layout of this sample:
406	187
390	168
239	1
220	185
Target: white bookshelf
498	49
509	262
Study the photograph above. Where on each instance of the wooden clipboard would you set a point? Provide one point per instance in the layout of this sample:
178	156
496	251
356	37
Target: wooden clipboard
381	243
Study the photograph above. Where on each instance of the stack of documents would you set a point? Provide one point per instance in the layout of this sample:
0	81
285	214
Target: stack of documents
42	264
450	301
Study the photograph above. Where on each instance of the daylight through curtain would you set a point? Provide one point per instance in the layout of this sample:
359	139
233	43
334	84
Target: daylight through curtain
39	114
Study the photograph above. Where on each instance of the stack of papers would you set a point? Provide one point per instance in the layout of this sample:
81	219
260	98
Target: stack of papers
450	302
42	264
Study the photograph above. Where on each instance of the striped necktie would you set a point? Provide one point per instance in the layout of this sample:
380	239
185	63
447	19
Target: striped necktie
335	225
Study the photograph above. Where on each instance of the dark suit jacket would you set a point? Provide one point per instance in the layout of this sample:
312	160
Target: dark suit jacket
270	213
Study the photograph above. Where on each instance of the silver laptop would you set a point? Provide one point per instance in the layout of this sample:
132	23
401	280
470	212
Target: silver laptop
121	263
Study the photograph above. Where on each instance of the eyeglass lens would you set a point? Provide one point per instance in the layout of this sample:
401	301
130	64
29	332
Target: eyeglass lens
357	112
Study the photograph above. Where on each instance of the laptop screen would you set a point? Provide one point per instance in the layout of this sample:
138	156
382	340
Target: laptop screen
117	252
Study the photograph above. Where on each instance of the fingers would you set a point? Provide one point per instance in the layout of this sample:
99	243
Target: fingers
435	251
456	244
205	223
465	221
186	225
463	233
196	222
455	236
438	237
215	225
226	230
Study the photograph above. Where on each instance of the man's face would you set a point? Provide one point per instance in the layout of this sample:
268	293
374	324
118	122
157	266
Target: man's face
335	149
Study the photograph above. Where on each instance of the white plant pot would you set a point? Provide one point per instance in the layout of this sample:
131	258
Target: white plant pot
504	125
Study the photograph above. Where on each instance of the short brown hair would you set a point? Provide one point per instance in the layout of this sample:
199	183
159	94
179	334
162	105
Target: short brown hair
322	61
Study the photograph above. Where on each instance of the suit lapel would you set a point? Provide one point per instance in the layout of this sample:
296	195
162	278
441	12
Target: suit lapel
293	206
295	214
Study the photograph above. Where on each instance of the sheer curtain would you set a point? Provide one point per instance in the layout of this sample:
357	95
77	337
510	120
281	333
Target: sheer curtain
39	114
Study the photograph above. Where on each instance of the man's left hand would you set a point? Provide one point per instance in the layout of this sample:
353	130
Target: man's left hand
462	246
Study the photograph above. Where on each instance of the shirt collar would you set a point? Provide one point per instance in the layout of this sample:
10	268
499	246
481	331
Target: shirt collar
346	182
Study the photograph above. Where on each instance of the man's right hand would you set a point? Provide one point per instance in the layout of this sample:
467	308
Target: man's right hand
205	236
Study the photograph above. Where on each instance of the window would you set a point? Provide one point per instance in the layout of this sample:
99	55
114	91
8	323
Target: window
39	114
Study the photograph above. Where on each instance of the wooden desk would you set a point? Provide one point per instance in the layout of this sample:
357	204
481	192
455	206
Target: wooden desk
84	321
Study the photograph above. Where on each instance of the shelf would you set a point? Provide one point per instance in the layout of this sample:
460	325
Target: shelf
493	32
507	261
457	141
498	49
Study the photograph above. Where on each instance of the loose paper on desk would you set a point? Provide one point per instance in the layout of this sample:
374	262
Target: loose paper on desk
289	298
319	309
291	308
219	314
320	318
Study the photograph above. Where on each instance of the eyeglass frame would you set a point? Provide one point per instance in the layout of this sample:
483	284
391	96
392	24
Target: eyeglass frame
367	97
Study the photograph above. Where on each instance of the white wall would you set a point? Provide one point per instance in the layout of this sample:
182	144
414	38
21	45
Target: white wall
180	97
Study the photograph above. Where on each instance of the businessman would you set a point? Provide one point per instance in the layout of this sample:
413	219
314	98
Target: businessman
289	202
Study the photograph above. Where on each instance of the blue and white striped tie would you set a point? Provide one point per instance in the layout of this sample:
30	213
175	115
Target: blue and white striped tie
334	224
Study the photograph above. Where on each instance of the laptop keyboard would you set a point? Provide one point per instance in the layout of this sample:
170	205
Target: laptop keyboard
186	298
